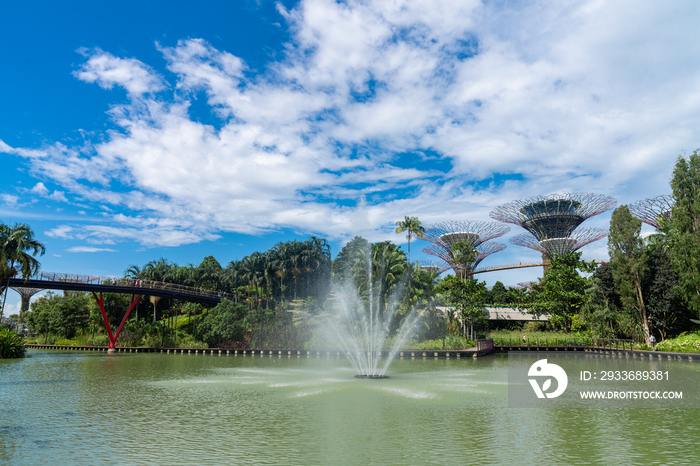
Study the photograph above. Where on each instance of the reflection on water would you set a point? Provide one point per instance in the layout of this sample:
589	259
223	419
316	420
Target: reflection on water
64	408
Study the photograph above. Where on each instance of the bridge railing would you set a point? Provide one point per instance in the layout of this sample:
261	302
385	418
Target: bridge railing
485	344
130	282
515	265
588	342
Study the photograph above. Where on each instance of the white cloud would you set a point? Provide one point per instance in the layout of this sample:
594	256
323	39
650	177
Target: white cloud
10	200
107	71
577	96
58	196
40	189
89	249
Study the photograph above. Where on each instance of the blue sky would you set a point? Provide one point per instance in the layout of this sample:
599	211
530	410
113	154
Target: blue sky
180	130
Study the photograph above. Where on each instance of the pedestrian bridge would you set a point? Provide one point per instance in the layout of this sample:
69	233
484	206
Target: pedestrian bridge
96	285
133	286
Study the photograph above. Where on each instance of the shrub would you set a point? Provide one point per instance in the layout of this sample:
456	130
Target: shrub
98	340
224	323
11	345
684	344
130	339
64	342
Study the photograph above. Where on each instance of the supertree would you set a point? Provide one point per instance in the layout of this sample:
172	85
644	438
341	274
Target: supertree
25	294
445	235
653	211
554	215
434	266
473	233
553	246
446	258
553	220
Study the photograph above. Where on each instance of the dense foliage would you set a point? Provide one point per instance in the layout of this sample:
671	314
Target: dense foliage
11	344
224	323
684	229
18	249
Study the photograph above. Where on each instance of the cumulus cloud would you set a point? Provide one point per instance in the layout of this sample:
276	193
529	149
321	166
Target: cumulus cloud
40	189
440	109
107	71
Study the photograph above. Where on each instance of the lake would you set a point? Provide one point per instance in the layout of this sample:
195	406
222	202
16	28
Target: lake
87	408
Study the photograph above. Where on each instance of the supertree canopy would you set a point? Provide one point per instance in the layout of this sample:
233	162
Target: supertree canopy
446	259
553	246
654	210
554	215
473	233
435	266
445	235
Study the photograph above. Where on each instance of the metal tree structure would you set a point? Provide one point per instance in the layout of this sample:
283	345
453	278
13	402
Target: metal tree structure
553	220
554	215
446	259
472	232
553	246
435	266
444	236
25	294
653	210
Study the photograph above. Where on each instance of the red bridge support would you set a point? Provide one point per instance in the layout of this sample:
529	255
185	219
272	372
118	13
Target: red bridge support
101	303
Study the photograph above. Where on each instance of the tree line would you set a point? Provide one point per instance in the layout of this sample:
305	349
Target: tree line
649	287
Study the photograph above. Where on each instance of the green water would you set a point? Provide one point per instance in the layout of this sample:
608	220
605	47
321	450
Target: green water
71	408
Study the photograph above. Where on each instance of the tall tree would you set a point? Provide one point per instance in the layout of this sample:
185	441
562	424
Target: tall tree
18	248
685	243
468	296
463	256
628	260
414	228
562	291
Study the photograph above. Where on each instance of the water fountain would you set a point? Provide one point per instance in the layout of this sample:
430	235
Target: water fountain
363	321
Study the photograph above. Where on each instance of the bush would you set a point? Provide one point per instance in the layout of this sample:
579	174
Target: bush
98	340
11	345
224	323
64	342
129	339
452	342
684	344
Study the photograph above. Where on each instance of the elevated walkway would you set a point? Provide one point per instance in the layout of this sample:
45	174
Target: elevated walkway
97	284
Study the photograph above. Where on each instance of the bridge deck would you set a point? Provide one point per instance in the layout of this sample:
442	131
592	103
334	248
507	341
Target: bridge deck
51	281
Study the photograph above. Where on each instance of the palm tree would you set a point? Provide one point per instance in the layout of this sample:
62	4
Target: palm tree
413	226
17	250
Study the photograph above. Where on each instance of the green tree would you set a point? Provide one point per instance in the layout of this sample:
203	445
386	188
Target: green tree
414	228
223	323
664	303
562	291
498	294
628	260
18	248
468	296
61	315
685	242
463	257
357	249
